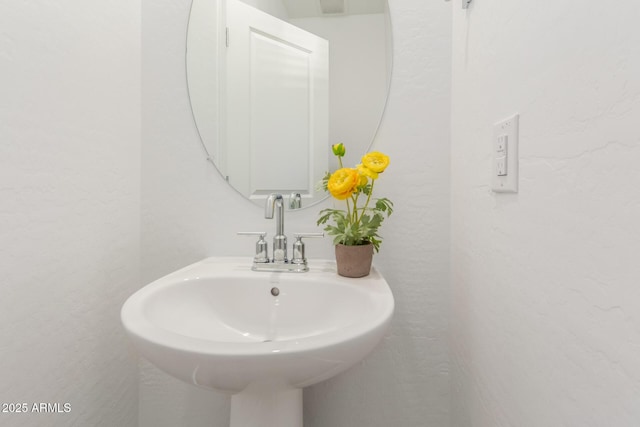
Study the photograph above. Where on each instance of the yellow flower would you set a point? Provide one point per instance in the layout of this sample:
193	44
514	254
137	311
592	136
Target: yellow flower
343	183
375	161
366	172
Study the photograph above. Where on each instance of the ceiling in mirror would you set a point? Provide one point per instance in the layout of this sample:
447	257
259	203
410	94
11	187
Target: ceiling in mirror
274	83
319	8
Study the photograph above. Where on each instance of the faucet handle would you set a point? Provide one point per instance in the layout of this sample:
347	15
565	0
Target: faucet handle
262	251
298	247
307	235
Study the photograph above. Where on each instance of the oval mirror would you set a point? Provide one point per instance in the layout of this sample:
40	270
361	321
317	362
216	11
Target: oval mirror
273	84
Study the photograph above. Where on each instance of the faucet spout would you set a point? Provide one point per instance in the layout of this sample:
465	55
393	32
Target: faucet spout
275	204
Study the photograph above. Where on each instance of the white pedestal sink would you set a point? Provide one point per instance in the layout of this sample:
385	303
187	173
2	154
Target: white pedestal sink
261	336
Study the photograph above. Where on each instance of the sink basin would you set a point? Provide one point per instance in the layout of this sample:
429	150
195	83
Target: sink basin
261	336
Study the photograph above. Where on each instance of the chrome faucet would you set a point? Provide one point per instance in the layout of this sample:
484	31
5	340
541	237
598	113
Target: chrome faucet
279	260
275	202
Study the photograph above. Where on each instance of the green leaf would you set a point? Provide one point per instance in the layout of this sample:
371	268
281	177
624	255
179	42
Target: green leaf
384	205
322	185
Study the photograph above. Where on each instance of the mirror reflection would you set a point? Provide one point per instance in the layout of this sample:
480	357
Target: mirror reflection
273	83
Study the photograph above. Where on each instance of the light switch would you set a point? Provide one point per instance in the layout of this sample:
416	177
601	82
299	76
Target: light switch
504	154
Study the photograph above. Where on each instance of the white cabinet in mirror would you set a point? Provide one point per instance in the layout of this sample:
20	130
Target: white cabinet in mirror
271	90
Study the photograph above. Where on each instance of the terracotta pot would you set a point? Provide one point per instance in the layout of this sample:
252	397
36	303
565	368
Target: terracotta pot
354	261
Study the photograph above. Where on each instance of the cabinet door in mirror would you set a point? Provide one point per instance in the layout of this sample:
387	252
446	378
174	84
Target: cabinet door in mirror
271	92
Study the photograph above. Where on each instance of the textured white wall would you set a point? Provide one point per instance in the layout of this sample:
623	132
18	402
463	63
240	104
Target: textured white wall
69	208
190	213
545	297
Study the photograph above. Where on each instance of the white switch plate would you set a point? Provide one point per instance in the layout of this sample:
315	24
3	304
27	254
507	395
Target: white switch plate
504	156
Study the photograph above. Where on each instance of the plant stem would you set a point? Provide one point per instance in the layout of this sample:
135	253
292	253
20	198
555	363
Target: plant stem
366	204
354	218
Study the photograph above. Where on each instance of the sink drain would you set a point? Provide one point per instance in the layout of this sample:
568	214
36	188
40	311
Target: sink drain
275	291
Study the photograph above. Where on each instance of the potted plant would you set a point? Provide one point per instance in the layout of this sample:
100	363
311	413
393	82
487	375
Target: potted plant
355	226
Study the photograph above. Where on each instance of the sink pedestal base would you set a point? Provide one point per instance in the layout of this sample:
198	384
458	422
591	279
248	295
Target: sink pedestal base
258	406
